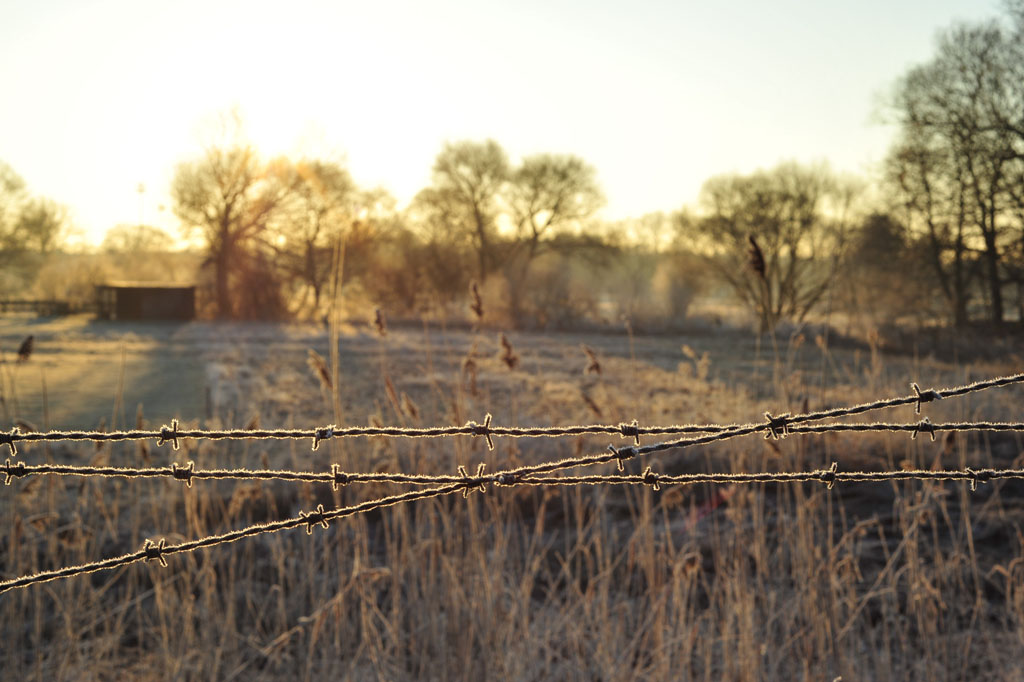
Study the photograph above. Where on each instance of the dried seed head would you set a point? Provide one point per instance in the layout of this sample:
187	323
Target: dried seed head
593	365
389	388
319	366
477	303
25	349
409	407
508	355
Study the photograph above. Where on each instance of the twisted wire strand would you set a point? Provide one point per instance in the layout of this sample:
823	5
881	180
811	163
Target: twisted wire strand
319	434
335	476
157	551
820	475
830	477
470	429
188	473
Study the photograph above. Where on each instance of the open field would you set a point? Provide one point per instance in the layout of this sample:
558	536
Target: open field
881	581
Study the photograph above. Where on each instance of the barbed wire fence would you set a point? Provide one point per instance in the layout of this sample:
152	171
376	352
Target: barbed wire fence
774	426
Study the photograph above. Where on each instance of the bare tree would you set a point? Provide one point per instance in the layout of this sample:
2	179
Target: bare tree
929	186
959	165
40	225
229	197
464	198
312	222
547	193
776	236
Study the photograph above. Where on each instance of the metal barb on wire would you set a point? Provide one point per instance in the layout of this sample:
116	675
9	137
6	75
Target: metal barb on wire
13	471
979	476
475	483
313	518
651	479
777	427
155	551
9	438
924	397
169	434
828	476
320	434
338	477
925	426
482	430
184	473
619	454
631	431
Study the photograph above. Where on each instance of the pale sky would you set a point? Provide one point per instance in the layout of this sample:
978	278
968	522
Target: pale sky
98	97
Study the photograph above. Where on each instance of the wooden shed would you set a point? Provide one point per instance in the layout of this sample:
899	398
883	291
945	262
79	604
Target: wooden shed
145	301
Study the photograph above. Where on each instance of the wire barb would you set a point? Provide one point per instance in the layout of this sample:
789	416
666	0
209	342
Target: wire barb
622	454
184	473
631	431
924	397
338	477
8	438
828	476
155	551
169	434
12	472
313	518
322	434
924	426
482	430
979	476
777	427
650	478
475	483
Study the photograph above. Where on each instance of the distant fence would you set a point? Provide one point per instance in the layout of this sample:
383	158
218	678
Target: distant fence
39	307
533	475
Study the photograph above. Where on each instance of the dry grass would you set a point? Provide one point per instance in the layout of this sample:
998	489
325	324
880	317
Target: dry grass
876	581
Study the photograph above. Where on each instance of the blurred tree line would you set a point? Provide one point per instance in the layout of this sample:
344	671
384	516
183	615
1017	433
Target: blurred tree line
938	236
279	234
941	238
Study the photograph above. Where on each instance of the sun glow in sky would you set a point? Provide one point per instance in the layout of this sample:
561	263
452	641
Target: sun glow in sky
98	97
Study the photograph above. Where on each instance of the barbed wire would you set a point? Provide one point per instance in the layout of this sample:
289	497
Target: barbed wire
774	425
337	477
158	551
